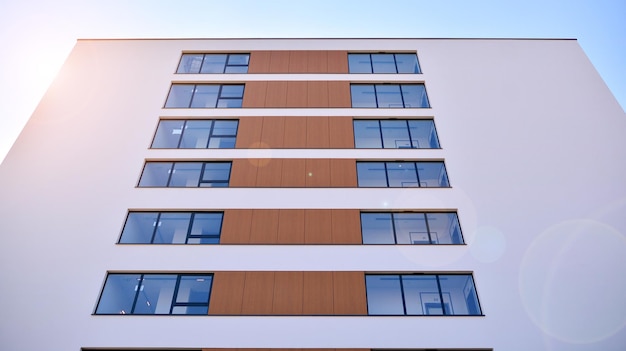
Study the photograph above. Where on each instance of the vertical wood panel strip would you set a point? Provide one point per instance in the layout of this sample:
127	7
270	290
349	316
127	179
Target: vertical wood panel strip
294	173
236	226
259	62
288	290
318	293
317	173
290	227
227	293
273	132
249	132
317	62
297	94
258	293
337	61
349	293
269	173
346	226
341	131
317	226
295	132
264	227
339	94
298	61
254	94
343	173
317	132
276	95
317	94
243	172
279	62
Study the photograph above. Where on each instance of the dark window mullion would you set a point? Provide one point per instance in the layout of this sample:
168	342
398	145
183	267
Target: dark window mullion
190	225
401	94
417	173
201	64
386	174
393	227
139	284
182	132
409	131
175	295
443	308
371	64
225	63
210	134
395	62
169	178
219	95
430	239
380	133
201	177
156	227
193	94
375	94
402	293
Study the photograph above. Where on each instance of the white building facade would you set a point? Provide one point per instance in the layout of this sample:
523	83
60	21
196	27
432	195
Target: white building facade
275	194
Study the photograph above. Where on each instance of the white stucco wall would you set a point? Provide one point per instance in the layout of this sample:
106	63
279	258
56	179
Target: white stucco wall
532	140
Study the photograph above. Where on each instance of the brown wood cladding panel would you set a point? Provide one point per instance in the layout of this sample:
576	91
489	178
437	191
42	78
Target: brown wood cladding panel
298	61
317	62
346	226
337	61
249	132
243	172
236	226
297	94
288	291
255	94
264	227
341	134
258	293
349	293
295	132
317	173
318	293
317	226
269	172
273	132
343	173
294	173
290	227
259	62
279	62
276	95
317	132
317	94
227	293
339	94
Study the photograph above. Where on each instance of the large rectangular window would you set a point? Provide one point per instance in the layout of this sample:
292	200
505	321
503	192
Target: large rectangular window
185	174
413	228
426	174
205	96
213	63
195	134
172	228
383	63
389	95
395	134
421	294
155	294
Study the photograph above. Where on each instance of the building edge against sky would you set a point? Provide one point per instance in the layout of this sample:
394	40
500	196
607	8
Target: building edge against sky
531	139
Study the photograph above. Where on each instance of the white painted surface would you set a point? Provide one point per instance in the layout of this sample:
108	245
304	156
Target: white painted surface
532	140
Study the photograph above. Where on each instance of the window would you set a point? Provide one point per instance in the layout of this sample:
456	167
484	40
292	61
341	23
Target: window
172	228
389	95
195	134
383	63
155	294
428	174
185	174
205	96
213	63
413	228
395	134
421	294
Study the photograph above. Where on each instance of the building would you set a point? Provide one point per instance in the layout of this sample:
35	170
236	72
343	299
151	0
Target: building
439	194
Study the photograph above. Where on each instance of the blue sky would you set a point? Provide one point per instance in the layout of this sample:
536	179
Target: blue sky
37	35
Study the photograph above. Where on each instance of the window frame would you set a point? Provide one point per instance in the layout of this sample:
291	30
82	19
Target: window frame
172	170
417	173
224	68
400	86
188	235
426	223
395	62
218	98
440	292
184	127
408	130
173	302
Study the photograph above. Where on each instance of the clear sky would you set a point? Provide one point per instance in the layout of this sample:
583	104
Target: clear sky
37	35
